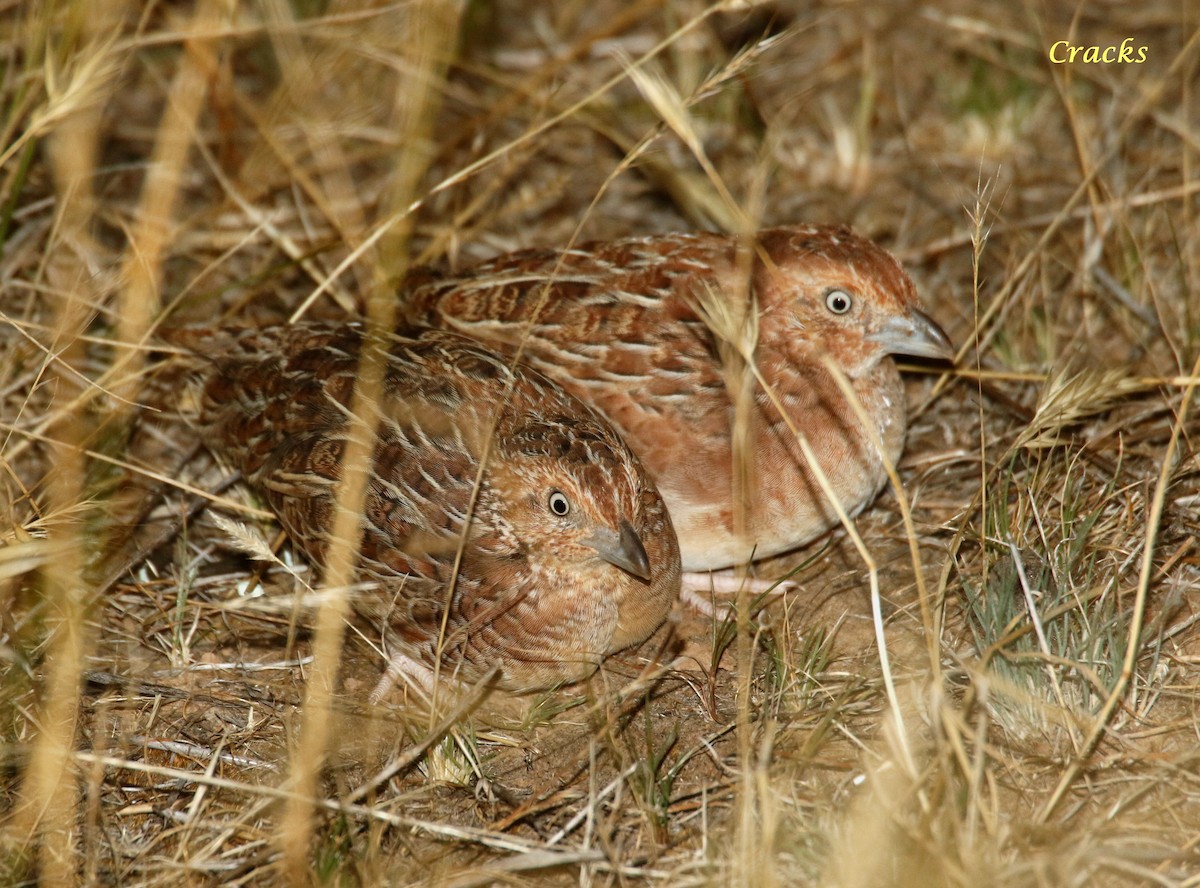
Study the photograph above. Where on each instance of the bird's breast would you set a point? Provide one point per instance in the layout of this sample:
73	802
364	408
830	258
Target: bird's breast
761	482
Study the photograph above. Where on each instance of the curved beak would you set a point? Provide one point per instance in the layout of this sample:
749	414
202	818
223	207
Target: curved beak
916	334
623	549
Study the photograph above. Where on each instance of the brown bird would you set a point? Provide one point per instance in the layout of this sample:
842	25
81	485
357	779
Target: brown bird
622	325
569	552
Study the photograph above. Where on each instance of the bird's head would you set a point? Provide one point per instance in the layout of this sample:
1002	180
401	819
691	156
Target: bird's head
577	498
824	289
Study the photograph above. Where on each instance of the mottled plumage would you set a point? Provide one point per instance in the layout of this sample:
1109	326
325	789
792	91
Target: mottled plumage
619	325
570	554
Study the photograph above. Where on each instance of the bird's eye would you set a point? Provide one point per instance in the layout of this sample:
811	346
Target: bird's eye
838	301
558	503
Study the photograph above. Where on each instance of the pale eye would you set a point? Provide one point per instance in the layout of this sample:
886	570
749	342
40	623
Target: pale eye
559	504
838	301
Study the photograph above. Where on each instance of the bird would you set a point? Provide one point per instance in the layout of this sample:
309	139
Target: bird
639	328
557	553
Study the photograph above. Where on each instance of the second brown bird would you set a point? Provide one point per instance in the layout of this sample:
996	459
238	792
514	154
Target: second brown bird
622	325
559	552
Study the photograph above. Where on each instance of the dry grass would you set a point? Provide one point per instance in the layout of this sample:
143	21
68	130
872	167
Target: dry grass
1036	587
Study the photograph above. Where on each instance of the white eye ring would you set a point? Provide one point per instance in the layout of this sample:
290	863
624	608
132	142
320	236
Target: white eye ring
559	504
838	301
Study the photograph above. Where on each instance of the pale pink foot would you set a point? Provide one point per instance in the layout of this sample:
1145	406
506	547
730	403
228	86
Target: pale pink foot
415	675
713	594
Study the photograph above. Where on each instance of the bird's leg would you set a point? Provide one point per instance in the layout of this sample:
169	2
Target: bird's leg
713	593
403	667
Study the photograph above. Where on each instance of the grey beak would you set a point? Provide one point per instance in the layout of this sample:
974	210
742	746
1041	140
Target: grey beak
916	334
624	549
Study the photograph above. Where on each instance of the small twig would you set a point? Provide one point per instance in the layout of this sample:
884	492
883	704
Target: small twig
413	754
